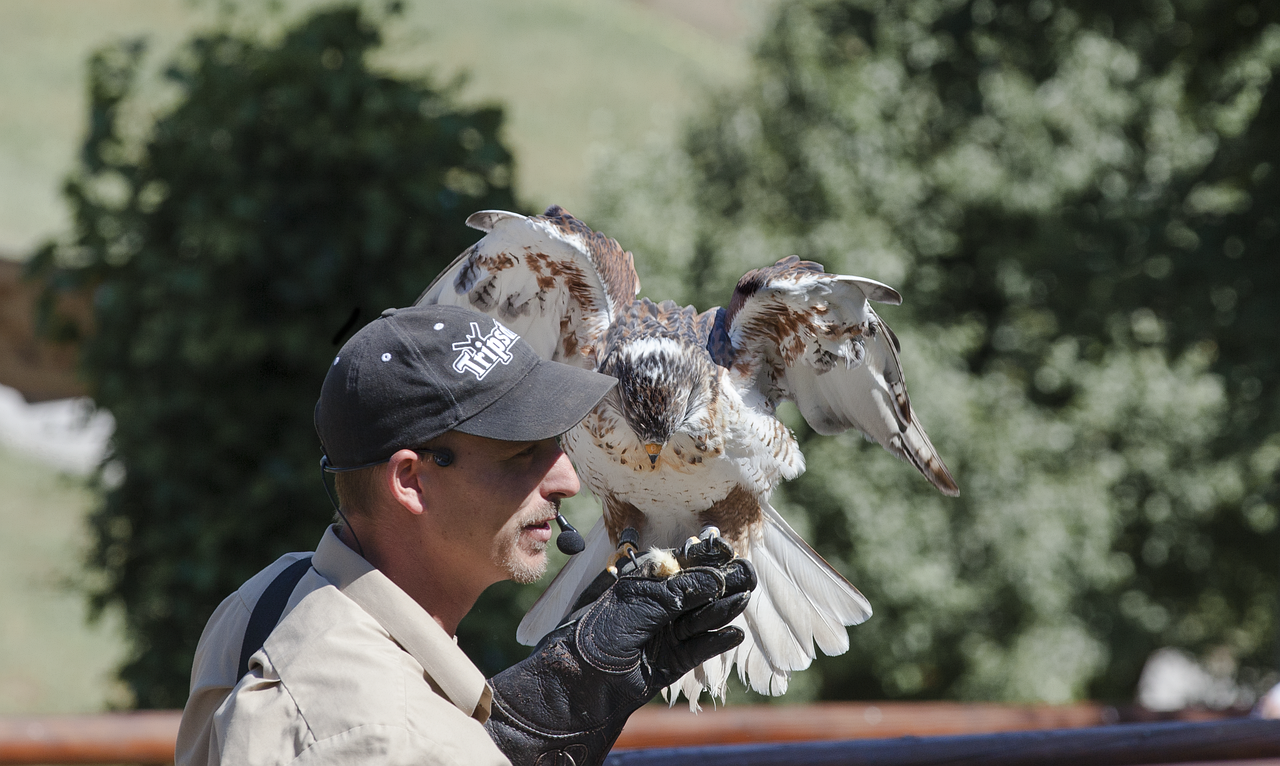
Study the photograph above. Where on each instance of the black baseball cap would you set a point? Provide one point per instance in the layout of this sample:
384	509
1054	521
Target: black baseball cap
414	373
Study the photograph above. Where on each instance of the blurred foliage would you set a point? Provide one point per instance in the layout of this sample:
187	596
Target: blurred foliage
1078	201
289	195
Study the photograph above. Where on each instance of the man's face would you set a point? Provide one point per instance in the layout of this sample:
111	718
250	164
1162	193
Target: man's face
498	499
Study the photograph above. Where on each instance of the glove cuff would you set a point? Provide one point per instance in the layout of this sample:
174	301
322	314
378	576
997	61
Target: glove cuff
540	747
546	711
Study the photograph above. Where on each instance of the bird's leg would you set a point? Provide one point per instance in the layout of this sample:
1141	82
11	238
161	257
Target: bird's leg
628	545
708	545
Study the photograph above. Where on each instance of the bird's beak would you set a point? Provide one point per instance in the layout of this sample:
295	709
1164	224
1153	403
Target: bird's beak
653	450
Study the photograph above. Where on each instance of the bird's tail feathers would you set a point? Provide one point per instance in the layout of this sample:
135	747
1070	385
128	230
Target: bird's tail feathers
555	602
801	600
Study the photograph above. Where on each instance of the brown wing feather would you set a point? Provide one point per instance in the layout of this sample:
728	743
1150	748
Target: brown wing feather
616	267
795	332
550	278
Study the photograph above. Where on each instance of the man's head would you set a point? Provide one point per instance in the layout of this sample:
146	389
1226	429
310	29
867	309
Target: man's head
413	374
491	509
445	421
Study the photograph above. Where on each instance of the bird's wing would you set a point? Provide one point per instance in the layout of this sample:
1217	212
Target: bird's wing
794	332
548	277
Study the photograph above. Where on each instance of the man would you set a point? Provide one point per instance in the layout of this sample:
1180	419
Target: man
440	424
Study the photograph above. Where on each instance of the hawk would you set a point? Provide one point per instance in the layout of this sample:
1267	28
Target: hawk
688	445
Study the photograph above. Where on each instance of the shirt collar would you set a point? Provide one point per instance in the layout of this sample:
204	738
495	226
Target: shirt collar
447	667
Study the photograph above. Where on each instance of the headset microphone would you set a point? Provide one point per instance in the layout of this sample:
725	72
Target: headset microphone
568	541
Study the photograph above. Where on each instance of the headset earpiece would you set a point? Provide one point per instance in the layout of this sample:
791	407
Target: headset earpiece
442	457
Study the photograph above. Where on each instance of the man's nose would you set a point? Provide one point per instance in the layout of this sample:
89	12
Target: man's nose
561	481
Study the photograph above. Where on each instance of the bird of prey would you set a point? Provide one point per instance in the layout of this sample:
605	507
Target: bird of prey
687	446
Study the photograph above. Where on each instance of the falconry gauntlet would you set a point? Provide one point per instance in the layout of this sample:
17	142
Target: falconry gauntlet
626	640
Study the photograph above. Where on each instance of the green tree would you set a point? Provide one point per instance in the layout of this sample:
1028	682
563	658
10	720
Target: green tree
290	194
1077	200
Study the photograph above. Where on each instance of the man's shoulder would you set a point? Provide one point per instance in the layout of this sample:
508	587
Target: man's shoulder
351	688
326	637
343	668
218	653
214	671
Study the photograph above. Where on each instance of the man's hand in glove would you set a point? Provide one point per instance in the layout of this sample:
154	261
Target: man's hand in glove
567	703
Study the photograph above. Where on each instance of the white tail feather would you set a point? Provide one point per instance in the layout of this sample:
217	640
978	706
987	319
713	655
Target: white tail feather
776	637
801	600
691	685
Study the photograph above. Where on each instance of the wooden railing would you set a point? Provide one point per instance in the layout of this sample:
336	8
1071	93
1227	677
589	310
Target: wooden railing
750	735
143	737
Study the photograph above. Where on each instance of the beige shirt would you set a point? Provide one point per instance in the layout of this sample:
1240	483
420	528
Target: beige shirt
355	672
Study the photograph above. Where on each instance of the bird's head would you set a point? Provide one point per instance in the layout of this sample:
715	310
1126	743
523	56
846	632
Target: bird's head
661	385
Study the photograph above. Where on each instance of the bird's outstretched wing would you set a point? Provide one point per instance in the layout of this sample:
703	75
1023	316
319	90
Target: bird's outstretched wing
548	277
794	332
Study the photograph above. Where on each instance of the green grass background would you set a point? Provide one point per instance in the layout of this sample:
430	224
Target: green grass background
51	659
579	79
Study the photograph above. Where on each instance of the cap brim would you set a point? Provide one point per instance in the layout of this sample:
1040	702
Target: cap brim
550	400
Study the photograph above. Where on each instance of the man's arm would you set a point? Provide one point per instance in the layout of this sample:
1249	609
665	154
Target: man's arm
574	693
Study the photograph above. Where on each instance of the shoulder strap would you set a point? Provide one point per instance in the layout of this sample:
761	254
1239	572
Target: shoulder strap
266	613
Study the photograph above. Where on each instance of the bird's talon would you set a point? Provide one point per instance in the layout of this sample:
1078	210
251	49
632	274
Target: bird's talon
708	548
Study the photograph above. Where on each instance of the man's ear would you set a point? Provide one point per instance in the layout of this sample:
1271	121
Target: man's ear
404	479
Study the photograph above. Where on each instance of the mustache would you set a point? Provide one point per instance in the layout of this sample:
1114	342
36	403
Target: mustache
534	515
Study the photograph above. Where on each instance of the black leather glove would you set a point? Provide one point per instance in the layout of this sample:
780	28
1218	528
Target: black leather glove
568	701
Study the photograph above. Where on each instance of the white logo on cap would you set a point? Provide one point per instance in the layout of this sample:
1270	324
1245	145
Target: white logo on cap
481	353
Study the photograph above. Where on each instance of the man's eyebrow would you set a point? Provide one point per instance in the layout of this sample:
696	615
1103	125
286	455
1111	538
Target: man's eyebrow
517	447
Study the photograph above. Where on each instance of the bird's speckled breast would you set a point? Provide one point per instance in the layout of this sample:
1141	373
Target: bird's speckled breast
703	474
